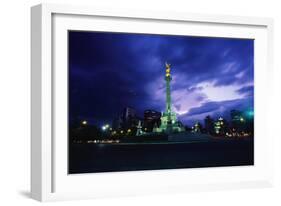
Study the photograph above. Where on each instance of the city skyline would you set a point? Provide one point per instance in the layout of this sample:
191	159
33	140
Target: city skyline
110	71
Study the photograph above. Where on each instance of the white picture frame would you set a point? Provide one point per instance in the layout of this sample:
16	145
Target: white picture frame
49	178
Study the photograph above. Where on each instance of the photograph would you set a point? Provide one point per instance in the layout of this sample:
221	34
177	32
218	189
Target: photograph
140	101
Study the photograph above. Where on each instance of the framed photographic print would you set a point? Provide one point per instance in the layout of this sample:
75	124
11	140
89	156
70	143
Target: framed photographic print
133	102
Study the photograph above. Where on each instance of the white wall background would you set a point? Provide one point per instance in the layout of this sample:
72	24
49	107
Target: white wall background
15	101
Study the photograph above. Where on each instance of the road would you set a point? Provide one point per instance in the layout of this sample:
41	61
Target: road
88	158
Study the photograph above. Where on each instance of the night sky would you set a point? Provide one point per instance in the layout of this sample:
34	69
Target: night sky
109	71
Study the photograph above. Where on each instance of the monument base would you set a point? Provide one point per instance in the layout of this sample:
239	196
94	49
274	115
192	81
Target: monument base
169	124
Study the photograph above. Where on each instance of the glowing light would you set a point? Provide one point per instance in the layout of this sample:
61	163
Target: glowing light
84	122
241	119
250	113
105	127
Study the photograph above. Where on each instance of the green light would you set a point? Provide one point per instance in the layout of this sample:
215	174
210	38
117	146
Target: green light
250	113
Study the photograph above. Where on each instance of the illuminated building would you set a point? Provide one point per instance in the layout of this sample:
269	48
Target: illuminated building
221	126
238	120
236	115
169	122
218	126
197	127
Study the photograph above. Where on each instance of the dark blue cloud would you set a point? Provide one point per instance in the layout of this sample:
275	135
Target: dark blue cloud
247	91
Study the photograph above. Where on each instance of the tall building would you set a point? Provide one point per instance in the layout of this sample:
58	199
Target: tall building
169	122
126	120
151	118
128	113
117	123
237	120
129	118
209	125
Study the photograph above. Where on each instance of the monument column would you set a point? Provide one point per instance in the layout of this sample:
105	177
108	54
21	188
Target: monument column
169	122
168	79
